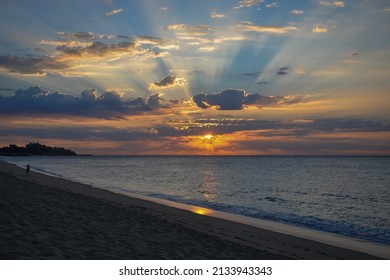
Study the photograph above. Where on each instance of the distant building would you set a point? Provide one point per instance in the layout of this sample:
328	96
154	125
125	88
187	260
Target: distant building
35	149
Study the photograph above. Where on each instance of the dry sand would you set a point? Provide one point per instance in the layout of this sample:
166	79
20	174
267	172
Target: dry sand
44	217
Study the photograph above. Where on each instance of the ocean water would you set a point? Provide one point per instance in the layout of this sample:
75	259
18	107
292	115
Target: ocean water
344	195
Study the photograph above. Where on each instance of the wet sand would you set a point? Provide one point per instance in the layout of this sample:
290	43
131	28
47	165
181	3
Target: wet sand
44	217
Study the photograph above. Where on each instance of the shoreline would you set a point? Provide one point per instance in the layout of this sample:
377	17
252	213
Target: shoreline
258	239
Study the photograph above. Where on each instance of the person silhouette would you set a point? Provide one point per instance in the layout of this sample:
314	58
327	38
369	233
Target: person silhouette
27	169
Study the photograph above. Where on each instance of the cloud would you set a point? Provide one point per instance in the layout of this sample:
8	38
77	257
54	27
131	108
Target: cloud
70	43
184	29
296	12
273	101
108	52
217	15
148	40
301	136
83	36
283	71
30	92
339	4
80	48
109	105
320	29
155	100
207	49
276	128
272	5
114	12
248	26
317	136
248	3
110	97
101	49
31	65
89	95
168	81
72	53
230	99
237	99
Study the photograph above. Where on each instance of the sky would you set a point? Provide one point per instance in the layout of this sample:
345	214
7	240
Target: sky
204	77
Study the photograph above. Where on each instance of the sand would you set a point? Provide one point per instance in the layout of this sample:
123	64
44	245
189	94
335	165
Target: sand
44	217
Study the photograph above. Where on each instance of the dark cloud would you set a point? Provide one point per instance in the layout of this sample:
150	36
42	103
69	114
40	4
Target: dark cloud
283	71
100	49
155	100
68	54
237	99
83	36
90	37
229	99
110	104
167	81
110	98
260	100
89	95
31	64
30	92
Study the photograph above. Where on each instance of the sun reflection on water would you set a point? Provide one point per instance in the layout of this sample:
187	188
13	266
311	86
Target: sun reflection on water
201	211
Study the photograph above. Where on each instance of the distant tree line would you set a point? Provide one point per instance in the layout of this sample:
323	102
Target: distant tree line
35	149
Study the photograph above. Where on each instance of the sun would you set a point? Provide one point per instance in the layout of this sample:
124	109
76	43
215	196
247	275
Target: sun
207	144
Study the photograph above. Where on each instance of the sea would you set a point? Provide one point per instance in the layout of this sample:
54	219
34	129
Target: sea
349	196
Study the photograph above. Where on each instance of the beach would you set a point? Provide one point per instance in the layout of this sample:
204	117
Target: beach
45	217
